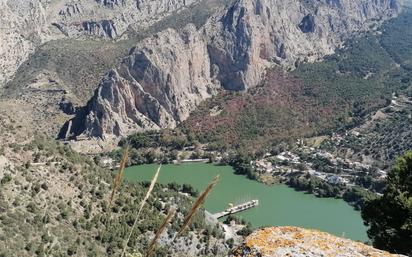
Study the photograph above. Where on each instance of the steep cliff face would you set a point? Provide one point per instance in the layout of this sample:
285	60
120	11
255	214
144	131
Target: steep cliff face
252	35
299	242
241	41
110	19
23	26
158	85
26	24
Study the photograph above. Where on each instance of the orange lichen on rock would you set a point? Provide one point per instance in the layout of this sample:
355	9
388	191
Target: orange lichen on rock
266	243
300	242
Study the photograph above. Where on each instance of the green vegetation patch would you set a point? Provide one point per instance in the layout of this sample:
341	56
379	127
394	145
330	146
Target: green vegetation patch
316	98
390	217
78	64
57	204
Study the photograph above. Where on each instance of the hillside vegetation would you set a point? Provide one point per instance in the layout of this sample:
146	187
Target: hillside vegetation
54	202
316	98
384	136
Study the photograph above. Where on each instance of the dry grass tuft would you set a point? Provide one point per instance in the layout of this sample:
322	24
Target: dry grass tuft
118	179
142	203
196	206
159	232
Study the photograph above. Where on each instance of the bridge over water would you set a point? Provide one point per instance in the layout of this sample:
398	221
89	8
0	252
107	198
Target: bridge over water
237	208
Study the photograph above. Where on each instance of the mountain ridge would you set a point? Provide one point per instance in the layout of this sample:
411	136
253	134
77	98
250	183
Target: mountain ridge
242	42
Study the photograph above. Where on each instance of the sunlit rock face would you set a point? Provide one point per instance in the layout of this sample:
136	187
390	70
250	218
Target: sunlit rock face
252	35
166	76
26	24
299	242
157	86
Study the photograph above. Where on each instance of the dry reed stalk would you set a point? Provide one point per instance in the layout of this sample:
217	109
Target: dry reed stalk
196	206
159	232
119	176
142	203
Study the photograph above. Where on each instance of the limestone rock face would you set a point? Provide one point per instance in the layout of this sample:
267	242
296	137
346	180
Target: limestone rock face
109	19
253	35
299	242
23	24
167	75
163	79
26	24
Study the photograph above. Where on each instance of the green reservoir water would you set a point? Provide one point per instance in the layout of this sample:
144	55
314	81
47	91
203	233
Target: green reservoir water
279	205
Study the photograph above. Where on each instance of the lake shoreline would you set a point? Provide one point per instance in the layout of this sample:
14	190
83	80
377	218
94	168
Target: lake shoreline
291	203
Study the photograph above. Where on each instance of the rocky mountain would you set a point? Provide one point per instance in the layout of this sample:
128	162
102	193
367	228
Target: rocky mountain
163	79
47	75
253	35
108	68
29	24
235	47
112	18
293	241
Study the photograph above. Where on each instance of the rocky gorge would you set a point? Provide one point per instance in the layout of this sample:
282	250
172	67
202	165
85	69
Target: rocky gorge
91	72
235	48
146	91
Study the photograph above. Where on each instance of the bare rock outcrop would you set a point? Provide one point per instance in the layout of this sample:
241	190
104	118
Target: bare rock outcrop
166	76
110	19
163	79
300	242
253	35
23	25
26	24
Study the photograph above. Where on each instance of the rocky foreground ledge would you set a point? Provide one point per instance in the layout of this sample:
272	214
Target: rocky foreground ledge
299	242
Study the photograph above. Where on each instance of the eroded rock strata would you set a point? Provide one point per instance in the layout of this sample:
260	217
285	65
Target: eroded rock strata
26	24
166	76
157	86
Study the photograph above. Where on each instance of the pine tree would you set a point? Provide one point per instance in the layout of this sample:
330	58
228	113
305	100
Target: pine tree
390	217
